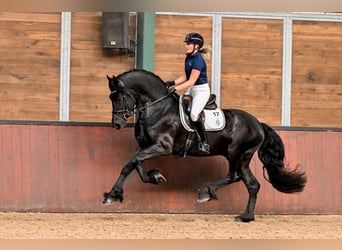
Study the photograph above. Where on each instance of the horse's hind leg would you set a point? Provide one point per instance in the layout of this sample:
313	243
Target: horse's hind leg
252	185
238	170
208	192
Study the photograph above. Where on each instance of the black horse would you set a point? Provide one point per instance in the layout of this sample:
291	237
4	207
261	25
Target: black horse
159	131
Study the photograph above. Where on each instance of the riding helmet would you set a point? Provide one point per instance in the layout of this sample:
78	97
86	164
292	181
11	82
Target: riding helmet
195	38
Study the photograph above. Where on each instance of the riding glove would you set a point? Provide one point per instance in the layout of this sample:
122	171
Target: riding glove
169	83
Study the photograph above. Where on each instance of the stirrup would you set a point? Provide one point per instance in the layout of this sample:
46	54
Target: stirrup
204	147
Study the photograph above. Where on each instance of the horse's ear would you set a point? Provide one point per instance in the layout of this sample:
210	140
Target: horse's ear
115	83
111	83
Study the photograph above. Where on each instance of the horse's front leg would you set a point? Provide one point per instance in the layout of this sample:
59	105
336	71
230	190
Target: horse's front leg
153	176
116	193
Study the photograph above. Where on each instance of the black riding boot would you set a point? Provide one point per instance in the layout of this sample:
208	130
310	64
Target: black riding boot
203	140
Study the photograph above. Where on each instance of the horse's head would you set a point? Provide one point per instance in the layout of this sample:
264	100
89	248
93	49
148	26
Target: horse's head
123	102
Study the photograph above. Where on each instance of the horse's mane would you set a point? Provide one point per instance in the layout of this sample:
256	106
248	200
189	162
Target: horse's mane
142	71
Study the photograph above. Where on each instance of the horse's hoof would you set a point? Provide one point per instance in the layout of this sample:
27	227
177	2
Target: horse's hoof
203	195
107	198
203	199
112	196
242	218
206	194
107	201
155	176
159	178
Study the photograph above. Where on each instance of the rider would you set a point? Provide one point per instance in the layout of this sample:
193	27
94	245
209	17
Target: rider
195	80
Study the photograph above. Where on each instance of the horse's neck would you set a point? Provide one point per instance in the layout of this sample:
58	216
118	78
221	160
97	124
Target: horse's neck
147	95
143	100
146	89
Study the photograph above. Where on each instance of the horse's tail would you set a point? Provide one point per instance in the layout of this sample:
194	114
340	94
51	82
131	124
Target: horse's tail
271	154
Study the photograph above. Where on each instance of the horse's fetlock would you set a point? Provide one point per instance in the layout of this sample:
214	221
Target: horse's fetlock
212	192
117	190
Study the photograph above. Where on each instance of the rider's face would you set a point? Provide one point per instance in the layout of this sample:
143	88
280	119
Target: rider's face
189	48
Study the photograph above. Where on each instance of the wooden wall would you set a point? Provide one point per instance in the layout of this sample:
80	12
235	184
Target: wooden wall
169	47
90	63
58	167
29	66
316	73
251	66
66	168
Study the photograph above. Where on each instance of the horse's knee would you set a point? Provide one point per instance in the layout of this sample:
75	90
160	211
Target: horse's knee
166	143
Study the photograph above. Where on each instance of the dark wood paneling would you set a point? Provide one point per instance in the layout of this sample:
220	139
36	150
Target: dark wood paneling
52	168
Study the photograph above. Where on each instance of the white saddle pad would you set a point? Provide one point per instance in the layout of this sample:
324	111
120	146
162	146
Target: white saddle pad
214	119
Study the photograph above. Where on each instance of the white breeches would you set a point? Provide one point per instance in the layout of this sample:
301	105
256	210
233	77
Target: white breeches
200	96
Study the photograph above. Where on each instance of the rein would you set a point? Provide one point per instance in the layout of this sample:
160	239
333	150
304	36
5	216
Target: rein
152	103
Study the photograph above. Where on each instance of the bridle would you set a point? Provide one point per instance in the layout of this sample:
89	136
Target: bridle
126	110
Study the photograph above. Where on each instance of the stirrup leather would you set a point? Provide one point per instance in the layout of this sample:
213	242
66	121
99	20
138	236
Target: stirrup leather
204	147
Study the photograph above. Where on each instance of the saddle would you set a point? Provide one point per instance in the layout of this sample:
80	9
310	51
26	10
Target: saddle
212	115
187	102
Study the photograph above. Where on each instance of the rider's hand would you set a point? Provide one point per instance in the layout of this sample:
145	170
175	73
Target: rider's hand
169	83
